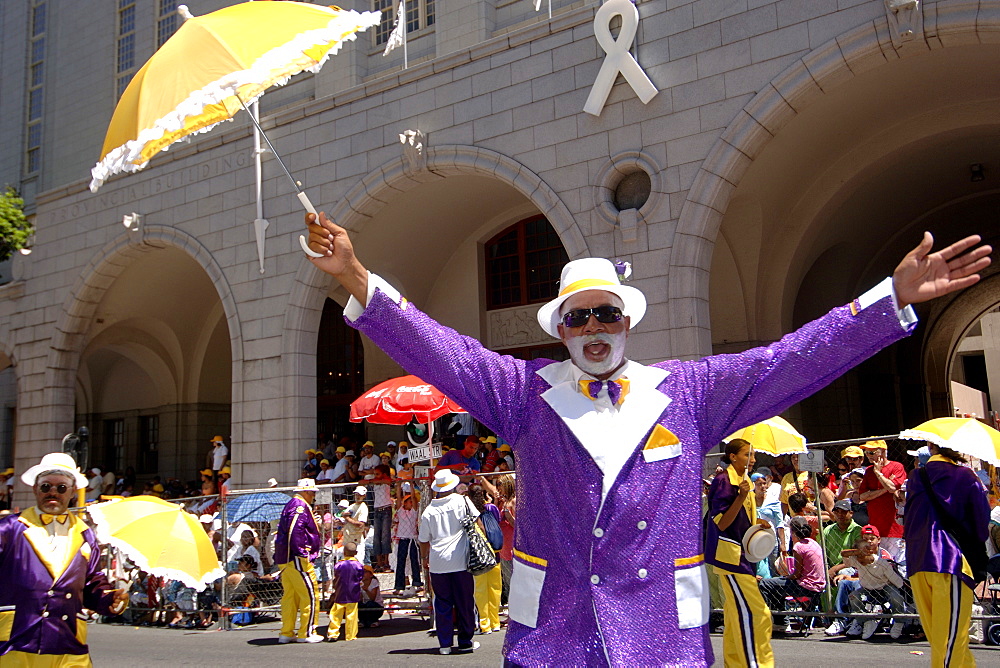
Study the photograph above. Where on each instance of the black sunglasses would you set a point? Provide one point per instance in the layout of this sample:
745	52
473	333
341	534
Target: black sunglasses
44	487
579	317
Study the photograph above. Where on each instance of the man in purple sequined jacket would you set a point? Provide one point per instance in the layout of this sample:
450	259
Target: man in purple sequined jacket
50	569
613	574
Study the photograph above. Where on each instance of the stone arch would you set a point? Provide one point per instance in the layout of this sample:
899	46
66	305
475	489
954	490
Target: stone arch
358	206
799	86
95	278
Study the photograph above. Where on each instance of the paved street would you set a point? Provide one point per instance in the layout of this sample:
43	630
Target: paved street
404	641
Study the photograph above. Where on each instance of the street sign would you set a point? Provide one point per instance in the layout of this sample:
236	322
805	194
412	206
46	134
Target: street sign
811	461
324	496
422	453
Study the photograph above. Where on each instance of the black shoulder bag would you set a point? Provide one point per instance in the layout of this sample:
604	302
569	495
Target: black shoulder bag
973	549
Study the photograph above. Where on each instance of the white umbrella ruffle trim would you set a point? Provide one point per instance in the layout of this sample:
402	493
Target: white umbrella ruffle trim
978	450
122	158
105	536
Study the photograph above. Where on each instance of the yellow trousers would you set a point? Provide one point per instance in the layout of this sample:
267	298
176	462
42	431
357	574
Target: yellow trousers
487	593
746	641
343	612
24	660
299	598
944	604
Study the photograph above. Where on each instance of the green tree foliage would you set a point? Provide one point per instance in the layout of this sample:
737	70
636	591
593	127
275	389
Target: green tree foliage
14	226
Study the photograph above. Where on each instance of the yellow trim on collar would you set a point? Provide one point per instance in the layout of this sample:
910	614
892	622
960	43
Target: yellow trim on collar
941	458
688	561
585	283
38	536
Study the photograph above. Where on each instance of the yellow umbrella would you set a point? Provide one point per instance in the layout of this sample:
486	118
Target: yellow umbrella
968	436
773	436
159	537
212	66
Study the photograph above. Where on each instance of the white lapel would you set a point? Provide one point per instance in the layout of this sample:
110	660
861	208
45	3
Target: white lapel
610	437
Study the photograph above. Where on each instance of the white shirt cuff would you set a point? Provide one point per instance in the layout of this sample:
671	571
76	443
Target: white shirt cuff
354	308
907	316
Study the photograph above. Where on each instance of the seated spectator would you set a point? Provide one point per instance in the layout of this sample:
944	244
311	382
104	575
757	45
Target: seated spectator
325	475
803	576
838	537
371	608
881	585
246	547
386	460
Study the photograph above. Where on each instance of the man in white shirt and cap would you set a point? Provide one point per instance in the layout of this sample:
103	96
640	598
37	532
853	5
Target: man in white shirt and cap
356	521
94	485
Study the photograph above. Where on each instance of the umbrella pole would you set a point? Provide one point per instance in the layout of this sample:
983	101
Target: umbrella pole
303	198
827	593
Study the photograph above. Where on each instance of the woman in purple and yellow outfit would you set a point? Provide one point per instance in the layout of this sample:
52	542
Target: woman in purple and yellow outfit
939	575
49	571
732	510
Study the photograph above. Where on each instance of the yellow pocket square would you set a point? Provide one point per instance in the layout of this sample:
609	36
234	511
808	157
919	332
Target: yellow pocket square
662	444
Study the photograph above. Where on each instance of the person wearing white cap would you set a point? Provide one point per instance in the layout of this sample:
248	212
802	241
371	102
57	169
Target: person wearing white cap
296	545
356	521
627	439
94	485
50	569
444	551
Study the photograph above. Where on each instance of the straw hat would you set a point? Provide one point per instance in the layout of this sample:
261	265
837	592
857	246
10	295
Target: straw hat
445	481
758	542
592	273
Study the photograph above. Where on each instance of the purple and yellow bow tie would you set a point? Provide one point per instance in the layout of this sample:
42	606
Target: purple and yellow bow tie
617	389
47	519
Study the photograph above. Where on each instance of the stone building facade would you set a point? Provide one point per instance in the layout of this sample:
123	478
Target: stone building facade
793	151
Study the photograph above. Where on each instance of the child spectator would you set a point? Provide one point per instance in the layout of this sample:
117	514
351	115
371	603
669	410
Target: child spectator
488	584
382	518
405	529
346	595
370	609
880	582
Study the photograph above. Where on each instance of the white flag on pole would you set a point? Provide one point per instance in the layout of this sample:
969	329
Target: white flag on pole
397	35
538	5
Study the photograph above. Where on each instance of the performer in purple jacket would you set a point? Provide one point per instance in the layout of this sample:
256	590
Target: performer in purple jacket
939	575
296	544
50	569
614	573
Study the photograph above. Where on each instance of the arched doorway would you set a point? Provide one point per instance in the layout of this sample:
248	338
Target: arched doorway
834	197
155	374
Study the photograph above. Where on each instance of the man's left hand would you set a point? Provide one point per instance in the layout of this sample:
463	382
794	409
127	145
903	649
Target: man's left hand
923	275
120	602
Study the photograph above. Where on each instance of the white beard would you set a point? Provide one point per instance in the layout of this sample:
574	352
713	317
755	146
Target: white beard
614	359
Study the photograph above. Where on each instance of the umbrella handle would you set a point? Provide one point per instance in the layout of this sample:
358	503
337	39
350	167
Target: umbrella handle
307	205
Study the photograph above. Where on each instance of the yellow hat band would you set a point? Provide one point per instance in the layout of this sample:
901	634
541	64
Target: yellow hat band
585	283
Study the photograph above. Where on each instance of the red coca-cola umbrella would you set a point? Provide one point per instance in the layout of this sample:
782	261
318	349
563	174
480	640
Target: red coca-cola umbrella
402	400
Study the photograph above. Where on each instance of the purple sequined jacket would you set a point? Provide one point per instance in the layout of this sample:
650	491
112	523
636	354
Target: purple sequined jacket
619	579
297	534
39	599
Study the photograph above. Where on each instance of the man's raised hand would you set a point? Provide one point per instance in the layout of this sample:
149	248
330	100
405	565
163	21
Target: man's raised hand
923	275
338	260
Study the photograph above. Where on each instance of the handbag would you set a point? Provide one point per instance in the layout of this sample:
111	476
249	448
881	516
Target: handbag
492	528
481	558
973	549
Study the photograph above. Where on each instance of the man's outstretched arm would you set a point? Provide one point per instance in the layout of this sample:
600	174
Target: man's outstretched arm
923	275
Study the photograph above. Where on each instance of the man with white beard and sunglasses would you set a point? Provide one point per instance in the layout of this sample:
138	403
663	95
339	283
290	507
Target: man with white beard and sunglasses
608	564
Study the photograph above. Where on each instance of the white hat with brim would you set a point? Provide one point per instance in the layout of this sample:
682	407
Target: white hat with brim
55	461
305	485
445	481
361	489
592	273
758	543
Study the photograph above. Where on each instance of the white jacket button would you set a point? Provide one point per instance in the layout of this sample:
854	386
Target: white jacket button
595	579
45	614
598	531
641	525
642	573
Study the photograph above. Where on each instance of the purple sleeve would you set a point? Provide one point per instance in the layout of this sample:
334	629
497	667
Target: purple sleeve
720	496
488	385
735	391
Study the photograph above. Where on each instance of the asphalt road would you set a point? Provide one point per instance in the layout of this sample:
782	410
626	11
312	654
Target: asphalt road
404	641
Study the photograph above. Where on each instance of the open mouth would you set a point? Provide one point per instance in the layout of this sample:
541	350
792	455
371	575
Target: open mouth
596	350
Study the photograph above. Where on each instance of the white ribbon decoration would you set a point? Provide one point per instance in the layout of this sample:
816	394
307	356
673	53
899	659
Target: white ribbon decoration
618	59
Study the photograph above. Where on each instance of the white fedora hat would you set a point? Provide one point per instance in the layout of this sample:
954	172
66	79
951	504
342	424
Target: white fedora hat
758	542
592	273
444	481
55	461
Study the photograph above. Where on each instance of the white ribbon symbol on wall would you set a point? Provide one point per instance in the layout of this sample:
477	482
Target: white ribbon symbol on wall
618	58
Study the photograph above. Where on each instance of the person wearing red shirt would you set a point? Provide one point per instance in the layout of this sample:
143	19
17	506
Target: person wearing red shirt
878	490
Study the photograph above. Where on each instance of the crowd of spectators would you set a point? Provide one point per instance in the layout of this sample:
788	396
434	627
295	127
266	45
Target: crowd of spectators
843	531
